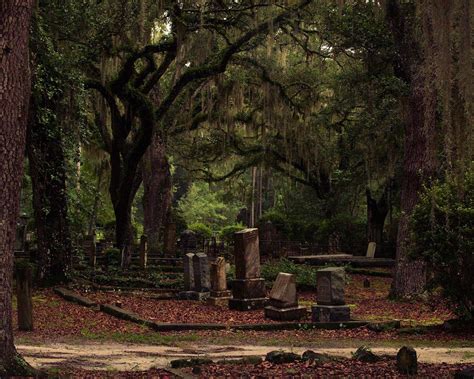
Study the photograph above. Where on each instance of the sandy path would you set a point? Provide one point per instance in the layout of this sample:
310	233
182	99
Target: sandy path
115	356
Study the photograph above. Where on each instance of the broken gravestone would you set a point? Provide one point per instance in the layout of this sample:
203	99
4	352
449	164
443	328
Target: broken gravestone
283	300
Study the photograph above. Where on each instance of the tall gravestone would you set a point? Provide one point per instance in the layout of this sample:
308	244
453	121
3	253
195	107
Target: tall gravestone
283	300
219	294
330	296
248	288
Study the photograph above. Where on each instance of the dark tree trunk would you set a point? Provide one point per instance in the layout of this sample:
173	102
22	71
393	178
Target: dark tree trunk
14	97
376	214
420	135
48	175
156	191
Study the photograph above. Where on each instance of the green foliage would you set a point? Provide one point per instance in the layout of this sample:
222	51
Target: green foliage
443	234
206	205
305	276
113	257
203	231
227	232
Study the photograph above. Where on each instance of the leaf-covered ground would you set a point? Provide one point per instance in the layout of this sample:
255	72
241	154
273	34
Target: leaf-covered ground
349	368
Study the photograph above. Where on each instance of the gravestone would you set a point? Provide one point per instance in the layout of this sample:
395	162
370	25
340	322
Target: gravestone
248	288
219	294
196	277
201	272
143	251
24	290
371	250
330	296
283	300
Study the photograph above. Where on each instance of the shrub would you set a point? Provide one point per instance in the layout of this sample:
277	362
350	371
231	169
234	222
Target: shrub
305	276
227	233
203	231
442	227
113	257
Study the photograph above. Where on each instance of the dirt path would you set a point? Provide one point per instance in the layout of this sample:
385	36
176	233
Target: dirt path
115	356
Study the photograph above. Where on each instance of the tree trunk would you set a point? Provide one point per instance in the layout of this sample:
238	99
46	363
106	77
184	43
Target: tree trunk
24	288
420	135
14	97
48	175
156	191
376	214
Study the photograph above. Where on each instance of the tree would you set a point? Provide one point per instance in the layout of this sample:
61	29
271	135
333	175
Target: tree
134	117
14	98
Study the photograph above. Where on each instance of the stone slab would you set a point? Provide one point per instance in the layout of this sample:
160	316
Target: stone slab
248	288
218	275
288	314
247	254
188	272
220	294
330	286
247	304
201	272
218	301
330	313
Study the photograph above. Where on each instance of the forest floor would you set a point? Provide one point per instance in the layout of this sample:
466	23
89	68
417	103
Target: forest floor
69	337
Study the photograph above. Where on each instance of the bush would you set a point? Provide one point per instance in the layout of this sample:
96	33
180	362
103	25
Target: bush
227	233
305	276
202	231
113	257
442	227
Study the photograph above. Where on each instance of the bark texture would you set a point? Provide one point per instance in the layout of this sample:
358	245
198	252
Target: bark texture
15	92
156	191
419	164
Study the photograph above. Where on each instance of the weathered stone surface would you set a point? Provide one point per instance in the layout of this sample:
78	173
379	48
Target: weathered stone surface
364	354
246	254
286	314
193	295
310	355
188	272
201	272
330	286
218	275
248	289
371	250
330	313
279	356
283	293
247	304
407	360
218	301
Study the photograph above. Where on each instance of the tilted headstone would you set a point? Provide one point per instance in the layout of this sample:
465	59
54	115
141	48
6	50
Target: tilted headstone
201	272
248	288
330	296
283	300
371	250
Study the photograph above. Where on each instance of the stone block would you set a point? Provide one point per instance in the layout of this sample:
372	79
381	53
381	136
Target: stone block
201	272
247	304
218	301
283	293
218	275
330	286
188	272
371	250
330	313
248	288
247	254
287	314
193	295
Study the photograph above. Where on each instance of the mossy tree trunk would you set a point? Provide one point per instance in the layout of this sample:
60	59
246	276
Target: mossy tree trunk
15	93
